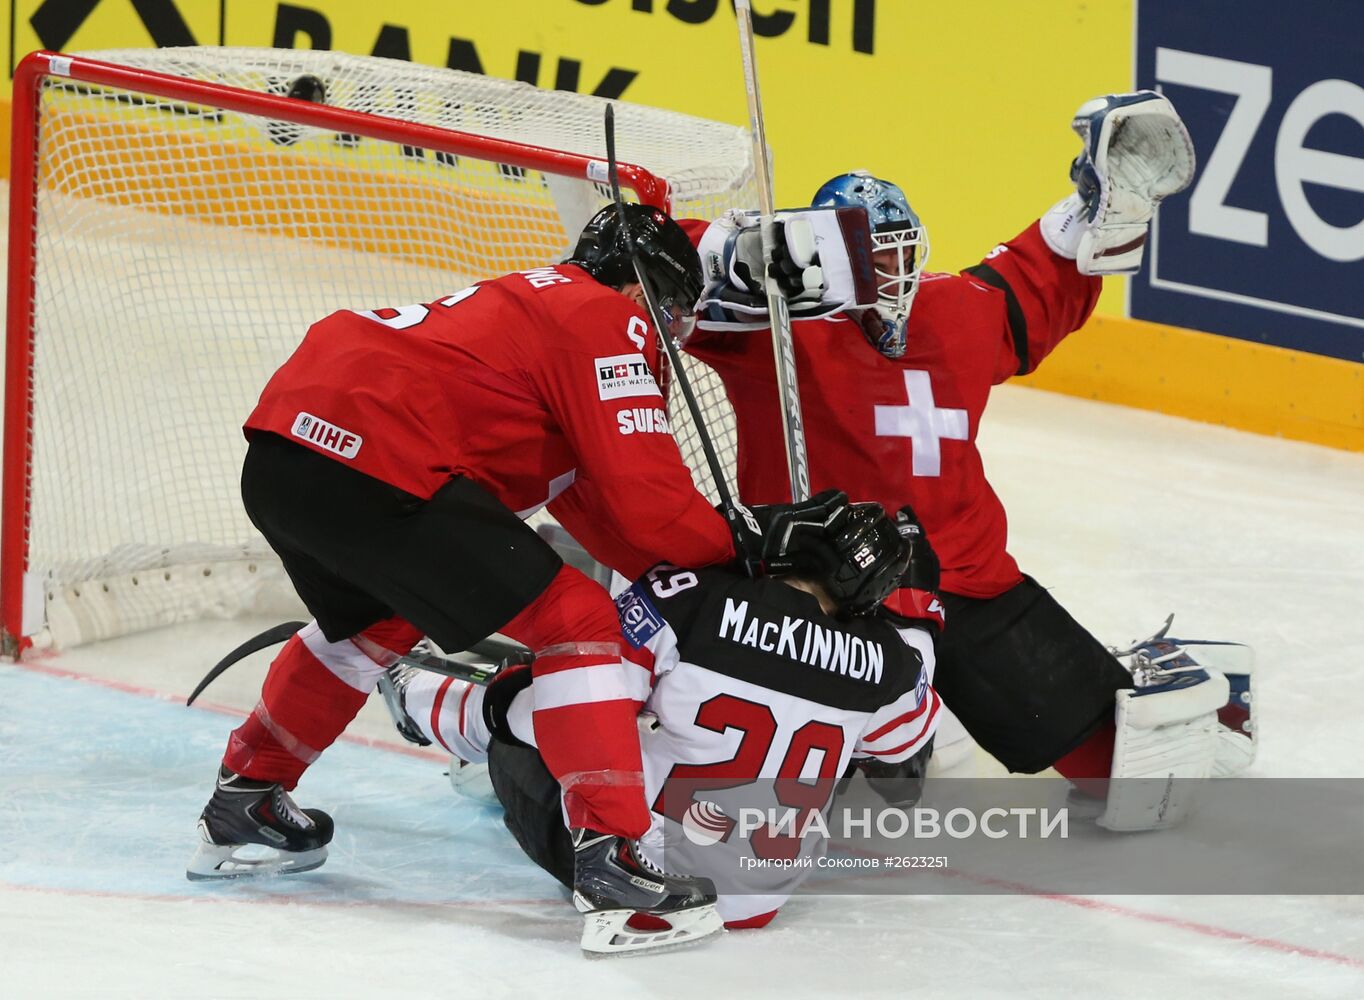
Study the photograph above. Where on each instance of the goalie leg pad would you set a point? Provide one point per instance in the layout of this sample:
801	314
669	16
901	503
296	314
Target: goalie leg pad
952	745
1237	732
1166	740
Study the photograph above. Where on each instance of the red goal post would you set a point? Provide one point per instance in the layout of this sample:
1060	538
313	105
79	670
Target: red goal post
176	222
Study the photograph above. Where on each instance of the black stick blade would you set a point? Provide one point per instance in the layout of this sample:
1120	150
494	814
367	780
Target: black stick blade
270	637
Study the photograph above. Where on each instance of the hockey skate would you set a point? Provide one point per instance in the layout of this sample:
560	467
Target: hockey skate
1237	738
632	905
254	828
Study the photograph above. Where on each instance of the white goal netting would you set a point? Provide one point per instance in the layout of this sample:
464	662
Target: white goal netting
181	250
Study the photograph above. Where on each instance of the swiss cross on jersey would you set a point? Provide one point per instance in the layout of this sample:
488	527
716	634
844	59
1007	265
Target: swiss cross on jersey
924	422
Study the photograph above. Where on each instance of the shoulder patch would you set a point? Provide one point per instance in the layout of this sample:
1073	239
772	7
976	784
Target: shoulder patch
639	619
623	375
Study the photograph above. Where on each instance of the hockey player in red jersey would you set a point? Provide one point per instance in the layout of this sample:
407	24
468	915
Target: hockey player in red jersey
745	685
390	462
893	397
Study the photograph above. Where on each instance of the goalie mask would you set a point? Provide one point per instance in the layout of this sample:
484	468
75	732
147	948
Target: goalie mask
899	248
666	257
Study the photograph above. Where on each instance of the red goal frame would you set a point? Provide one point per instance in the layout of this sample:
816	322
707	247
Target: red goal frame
15	487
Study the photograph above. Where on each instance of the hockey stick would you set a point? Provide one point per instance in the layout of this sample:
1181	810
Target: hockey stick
498	653
783	348
270	637
732	510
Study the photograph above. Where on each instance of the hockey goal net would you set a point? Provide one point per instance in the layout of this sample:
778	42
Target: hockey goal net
177	220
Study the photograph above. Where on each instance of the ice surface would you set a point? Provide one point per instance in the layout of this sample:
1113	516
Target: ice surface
1126	515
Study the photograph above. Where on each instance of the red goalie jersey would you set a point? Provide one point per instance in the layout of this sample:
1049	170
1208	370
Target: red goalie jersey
539	386
904	430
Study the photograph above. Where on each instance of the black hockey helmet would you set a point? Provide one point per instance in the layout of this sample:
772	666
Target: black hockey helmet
666	255
872	556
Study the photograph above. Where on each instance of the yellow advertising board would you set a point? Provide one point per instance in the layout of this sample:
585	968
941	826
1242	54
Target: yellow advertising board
968	110
916	92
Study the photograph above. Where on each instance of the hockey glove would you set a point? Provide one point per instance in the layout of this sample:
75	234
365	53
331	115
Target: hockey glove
1136	153
917	599
788	538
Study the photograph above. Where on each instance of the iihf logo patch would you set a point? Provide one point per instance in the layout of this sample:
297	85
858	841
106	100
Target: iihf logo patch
639	621
327	436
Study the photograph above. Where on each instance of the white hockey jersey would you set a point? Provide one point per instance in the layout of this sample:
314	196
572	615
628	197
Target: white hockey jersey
757	701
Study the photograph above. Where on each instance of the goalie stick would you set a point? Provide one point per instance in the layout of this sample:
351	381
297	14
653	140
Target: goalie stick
478	664
779	313
732	510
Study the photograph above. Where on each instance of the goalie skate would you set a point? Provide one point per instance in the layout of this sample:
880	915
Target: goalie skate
1236	739
1237	735
631	905
252	828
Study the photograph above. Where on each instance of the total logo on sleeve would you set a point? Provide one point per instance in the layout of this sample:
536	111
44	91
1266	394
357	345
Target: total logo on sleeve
624	375
327	436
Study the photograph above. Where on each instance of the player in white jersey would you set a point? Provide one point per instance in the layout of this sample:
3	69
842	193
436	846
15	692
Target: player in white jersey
744	687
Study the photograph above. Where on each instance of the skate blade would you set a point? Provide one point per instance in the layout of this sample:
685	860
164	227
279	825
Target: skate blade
211	862
605	932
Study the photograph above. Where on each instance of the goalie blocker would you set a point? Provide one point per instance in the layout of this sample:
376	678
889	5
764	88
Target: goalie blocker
822	264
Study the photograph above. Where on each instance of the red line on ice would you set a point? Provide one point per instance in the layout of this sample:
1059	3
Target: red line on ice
1082	902
1207	930
209	706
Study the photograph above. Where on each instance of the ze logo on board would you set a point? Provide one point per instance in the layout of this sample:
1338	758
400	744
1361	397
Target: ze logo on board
1296	164
1268	243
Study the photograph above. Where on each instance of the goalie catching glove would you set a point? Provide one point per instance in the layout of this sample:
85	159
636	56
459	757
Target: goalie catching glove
1136	153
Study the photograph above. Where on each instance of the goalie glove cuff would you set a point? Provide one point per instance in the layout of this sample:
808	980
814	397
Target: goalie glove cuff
1063	226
